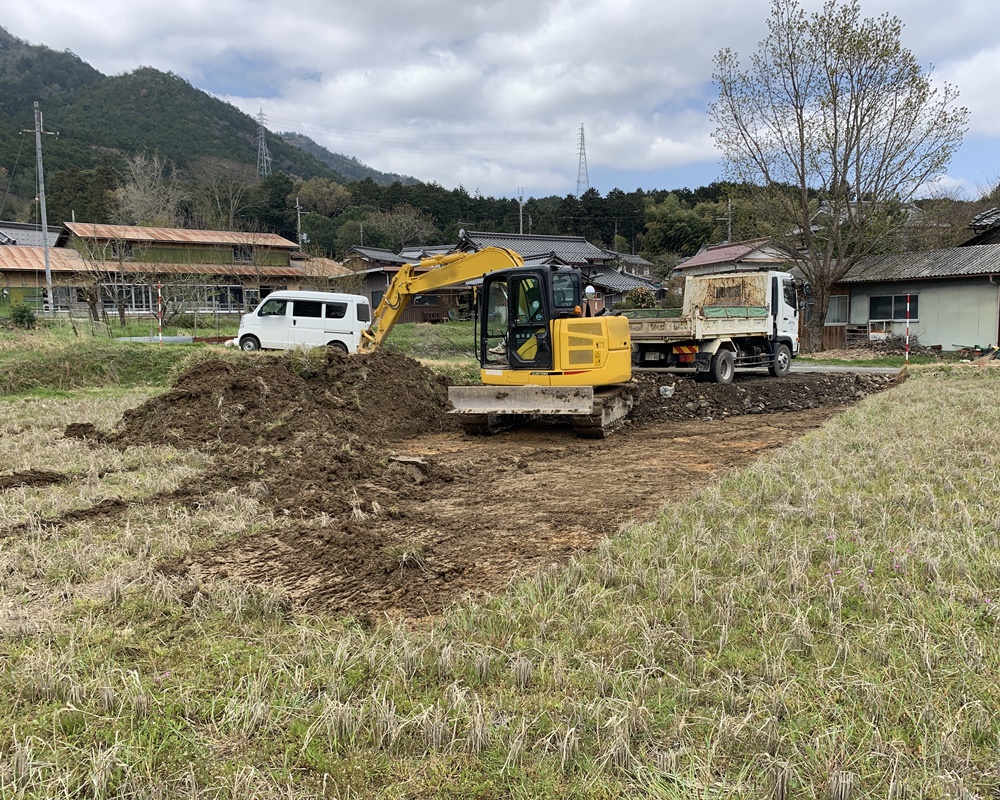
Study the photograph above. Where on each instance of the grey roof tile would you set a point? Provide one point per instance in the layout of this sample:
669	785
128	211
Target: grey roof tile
572	249
976	260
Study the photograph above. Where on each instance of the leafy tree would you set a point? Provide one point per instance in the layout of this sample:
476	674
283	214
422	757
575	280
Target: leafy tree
401	227
671	227
322	196
269	209
832	102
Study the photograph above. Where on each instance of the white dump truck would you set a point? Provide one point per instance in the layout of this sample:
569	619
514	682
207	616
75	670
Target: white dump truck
727	321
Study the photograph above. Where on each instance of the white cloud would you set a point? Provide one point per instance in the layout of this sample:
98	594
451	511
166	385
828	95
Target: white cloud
489	94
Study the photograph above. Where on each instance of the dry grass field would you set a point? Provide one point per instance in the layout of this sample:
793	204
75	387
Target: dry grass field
819	623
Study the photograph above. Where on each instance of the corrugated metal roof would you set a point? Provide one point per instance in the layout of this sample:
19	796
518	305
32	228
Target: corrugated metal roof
728	253
66	260
18	258
983	259
136	233
572	249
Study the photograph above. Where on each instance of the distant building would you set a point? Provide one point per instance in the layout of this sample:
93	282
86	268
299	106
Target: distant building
123	267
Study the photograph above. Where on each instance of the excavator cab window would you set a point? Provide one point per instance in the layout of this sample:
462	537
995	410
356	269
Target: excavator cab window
528	343
496	325
565	292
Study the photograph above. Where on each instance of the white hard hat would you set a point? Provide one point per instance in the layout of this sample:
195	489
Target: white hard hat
590	291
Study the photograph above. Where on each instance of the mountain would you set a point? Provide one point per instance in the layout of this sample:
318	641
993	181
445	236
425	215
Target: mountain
349	167
101	119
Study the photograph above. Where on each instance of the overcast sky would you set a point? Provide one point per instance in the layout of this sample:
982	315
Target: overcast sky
491	95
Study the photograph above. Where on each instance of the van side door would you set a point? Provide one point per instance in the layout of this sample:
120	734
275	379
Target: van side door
272	323
307	323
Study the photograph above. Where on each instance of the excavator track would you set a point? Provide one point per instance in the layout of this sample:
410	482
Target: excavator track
611	407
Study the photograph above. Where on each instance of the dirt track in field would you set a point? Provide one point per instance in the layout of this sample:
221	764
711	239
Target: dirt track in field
392	511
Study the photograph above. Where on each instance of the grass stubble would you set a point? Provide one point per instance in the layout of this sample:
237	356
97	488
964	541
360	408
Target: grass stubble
818	624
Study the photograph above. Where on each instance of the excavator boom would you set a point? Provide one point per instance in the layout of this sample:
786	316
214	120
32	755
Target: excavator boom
426	276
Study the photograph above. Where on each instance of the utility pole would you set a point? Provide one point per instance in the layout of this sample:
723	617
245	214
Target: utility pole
729	221
520	203
41	207
298	221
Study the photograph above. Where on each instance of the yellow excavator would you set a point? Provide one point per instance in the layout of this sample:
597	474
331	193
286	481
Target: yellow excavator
538	354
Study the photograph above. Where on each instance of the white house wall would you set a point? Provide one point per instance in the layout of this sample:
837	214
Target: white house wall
952	312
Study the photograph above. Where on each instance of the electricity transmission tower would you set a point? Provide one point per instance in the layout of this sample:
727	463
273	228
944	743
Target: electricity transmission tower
263	157
582	178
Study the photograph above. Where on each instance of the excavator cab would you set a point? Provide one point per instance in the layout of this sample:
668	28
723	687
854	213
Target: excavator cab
517	314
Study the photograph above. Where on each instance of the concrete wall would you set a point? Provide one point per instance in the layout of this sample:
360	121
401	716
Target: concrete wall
952	312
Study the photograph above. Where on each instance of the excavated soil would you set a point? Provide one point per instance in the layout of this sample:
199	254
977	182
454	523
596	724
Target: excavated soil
390	510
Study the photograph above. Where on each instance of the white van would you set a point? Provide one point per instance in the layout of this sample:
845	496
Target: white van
288	319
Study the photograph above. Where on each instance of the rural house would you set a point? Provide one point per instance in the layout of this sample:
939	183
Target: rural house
121	268
954	295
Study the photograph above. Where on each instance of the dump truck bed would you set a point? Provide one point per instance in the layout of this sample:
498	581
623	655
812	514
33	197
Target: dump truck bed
707	323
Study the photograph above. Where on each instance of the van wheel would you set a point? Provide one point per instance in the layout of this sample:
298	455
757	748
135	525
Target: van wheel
340	347
723	367
250	343
782	361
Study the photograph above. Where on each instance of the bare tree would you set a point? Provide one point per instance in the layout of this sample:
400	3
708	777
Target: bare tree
151	193
222	191
837	127
113	276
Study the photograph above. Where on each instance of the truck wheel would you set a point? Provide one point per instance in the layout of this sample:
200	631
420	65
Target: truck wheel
782	361
723	367
249	343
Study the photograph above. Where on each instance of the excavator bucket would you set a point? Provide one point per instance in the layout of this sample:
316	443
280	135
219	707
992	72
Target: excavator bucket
521	399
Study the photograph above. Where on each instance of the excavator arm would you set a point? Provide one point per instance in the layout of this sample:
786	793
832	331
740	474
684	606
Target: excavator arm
442	271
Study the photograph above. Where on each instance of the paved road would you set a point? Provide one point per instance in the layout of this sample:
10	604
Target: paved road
166	339
799	366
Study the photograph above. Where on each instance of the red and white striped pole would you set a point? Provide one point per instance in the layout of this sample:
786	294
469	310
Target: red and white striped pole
159	310
907	358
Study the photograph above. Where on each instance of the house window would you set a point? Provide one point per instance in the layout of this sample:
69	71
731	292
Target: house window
892	308
242	254
836	312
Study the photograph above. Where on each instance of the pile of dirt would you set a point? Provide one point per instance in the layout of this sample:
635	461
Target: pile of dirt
299	429
667	397
265	401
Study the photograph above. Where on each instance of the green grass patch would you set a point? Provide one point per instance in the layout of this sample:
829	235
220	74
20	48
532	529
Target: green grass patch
424	340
